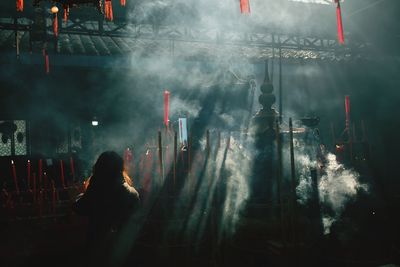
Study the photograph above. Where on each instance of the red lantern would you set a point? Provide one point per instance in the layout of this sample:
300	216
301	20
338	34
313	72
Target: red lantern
123	2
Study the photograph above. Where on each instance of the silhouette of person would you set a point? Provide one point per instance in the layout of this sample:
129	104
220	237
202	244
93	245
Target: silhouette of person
108	202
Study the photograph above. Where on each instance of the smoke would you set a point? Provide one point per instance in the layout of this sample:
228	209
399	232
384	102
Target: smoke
224	190
304	188
337	187
225	14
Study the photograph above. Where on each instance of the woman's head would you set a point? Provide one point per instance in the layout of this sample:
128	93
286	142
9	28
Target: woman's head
109	166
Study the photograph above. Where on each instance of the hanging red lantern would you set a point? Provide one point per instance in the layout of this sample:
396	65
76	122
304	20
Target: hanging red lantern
123	2
244	7
339	22
20	5
108	13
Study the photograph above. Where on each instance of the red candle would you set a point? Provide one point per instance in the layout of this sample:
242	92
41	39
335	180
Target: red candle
14	173
45	181
71	163
40	170
53	199
347	108
28	177
62	173
166	108
34	186
40	203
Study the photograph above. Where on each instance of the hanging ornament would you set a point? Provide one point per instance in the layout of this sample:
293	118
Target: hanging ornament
54	11
108	13
123	2
244	7
339	22
20	5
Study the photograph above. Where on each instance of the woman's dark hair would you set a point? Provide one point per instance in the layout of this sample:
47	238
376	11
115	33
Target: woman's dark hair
108	170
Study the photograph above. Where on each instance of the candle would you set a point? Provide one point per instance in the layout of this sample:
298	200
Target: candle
40	171
14	173
34	186
62	173
28	177
347	110
53	199
166	108
45	182
71	161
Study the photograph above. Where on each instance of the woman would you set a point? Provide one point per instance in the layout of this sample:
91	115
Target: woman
108	202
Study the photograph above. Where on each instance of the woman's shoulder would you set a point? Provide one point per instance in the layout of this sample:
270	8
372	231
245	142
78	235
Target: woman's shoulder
131	190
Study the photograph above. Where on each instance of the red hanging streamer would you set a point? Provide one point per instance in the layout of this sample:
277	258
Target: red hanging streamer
66	13
55	25
123	2
339	22
244	7
347	107
108	13
20	5
166	108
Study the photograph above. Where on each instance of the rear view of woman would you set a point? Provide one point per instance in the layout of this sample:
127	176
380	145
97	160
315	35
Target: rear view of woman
108	203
